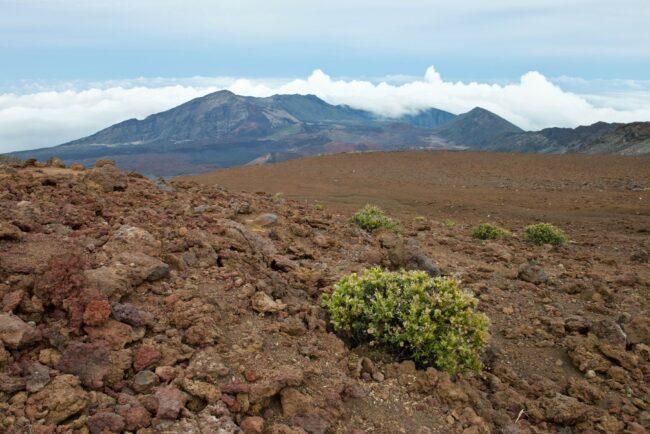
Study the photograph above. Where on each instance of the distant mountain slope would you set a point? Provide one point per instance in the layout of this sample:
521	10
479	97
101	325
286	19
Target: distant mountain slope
429	118
551	140
222	129
626	139
476	129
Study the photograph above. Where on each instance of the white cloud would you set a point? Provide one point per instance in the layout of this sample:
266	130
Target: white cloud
46	118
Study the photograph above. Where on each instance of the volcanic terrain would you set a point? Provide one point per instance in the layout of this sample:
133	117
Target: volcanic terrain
130	305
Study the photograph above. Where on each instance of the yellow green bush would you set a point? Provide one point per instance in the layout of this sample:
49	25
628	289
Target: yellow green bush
489	231
371	218
429	320
545	233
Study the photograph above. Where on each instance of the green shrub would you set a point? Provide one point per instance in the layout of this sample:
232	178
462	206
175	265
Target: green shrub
427	319
371	218
318	205
545	233
488	231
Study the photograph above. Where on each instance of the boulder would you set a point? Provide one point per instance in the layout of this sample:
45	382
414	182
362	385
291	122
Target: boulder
106	178
10	232
16	333
532	273
142	267
407	254
263	303
59	400
111	284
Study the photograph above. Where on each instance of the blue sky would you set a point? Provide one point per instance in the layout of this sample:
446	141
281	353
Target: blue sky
468	39
69	67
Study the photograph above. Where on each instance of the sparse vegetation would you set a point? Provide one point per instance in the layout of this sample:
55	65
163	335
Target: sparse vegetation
278	198
318	205
489	231
545	233
449	223
427	319
371	218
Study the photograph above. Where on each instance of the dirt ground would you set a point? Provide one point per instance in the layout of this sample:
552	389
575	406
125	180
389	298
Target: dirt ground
465	186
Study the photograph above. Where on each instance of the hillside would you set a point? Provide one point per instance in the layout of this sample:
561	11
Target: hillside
132	305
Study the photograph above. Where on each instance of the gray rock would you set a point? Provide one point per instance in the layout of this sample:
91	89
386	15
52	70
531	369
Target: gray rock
144	381
532	273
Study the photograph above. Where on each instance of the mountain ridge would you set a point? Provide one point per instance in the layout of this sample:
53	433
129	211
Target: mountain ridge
223	129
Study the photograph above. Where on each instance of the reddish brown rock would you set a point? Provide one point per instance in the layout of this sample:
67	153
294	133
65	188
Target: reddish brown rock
252	425
135	418
63	279
16	333
116	333
170	402
97	312
284	377
11	300
146	356
105	422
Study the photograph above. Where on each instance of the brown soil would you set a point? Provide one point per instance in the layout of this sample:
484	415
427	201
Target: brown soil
129	305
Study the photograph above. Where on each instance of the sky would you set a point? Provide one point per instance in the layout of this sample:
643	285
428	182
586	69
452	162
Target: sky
69	68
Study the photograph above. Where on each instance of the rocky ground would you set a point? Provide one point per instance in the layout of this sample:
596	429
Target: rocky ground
130	305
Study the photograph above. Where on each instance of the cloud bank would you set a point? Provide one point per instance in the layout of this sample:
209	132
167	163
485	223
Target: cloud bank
39	117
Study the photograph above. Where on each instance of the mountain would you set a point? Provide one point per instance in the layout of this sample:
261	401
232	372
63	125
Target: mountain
223	129
476	129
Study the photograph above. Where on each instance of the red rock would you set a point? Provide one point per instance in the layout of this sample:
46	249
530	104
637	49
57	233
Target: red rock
146	356
250	376
135	418
97	312
102	422
170	402
252	425
235	388
12	300
114	332
61	280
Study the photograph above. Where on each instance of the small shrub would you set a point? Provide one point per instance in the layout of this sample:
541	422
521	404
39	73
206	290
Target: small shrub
449	223
488	231
545	233
427	319
370	218
318	205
